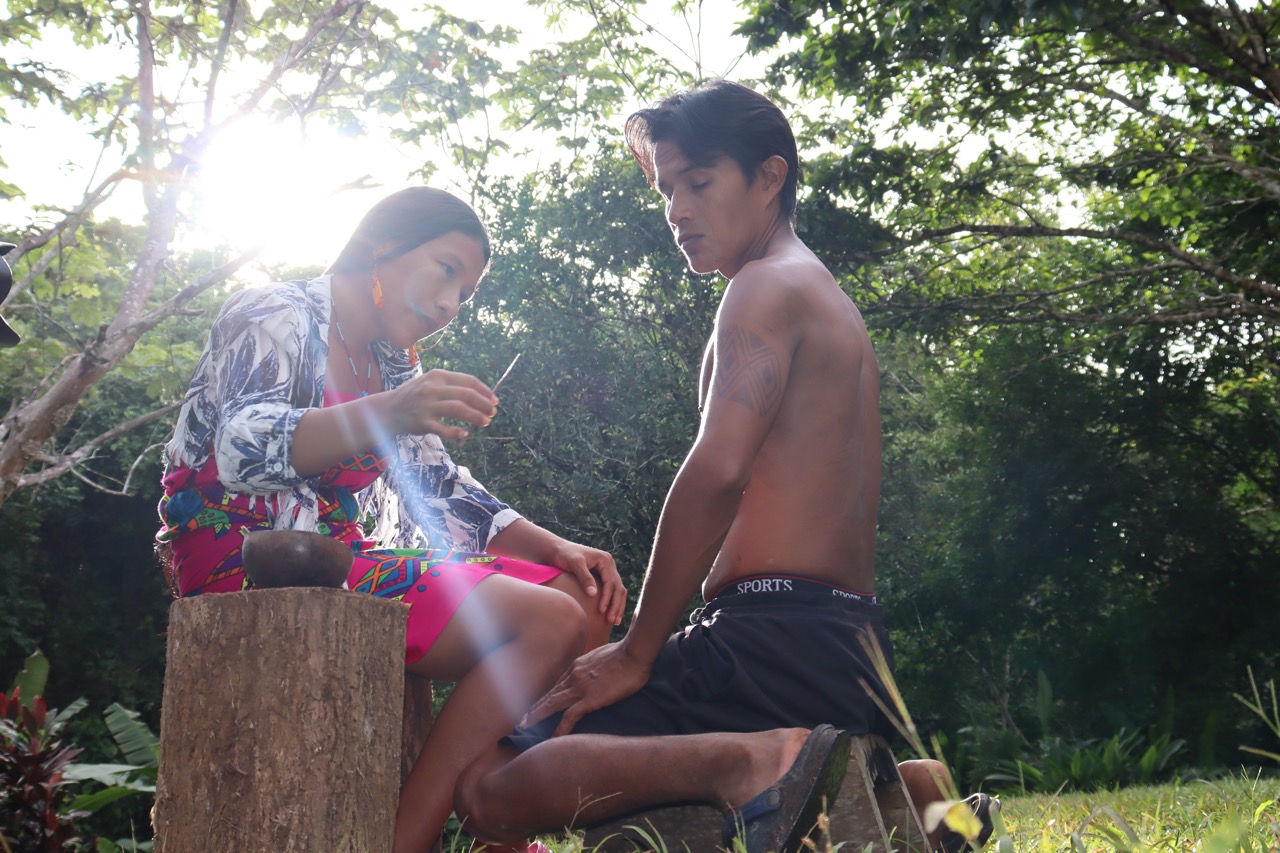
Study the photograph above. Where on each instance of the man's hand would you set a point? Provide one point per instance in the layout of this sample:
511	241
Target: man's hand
596	571
600	677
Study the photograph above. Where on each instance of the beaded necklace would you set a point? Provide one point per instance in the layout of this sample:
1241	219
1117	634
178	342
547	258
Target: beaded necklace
368	371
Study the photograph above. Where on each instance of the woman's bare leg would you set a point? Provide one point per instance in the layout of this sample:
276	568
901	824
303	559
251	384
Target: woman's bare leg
597	634
507	643
598	627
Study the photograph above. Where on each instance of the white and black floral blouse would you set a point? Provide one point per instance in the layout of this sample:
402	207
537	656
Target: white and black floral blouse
262	369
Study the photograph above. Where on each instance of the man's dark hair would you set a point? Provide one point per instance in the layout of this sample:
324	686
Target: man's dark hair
408	219
718	118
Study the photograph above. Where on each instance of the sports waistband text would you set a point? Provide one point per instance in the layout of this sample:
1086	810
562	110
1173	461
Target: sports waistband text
765	585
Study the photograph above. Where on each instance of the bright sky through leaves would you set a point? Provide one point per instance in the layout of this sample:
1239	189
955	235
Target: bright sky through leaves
273	184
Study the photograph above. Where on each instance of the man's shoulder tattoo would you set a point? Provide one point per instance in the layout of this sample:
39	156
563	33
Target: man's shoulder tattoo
747	370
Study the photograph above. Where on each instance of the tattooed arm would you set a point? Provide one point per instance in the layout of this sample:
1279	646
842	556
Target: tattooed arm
744	381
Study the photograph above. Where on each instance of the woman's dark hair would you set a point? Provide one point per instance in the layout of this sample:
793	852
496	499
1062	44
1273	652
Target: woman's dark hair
718	118
408	219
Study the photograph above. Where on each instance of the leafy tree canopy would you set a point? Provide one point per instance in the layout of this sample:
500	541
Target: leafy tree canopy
175	76
1145	130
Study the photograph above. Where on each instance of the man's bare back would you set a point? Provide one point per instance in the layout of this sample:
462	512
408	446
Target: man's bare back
810	506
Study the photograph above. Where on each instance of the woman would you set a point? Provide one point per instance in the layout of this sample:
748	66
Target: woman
307	412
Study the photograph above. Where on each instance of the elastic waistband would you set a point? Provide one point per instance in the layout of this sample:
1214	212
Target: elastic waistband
785	584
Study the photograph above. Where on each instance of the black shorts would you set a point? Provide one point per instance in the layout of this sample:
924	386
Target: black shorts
756	661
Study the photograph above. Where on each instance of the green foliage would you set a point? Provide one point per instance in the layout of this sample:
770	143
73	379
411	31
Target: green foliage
62	315
90	594
1103	165
31	680
1089	765
37	767
1046	510
123	845
141	751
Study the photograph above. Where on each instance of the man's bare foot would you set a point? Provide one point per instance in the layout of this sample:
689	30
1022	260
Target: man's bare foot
769	755
782	816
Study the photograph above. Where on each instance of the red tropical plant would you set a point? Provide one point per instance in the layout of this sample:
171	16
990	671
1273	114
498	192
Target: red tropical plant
33	792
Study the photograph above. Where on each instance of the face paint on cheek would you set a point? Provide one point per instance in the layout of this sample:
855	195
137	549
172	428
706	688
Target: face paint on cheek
417	313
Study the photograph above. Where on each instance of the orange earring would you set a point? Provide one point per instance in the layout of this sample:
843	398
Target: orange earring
377	290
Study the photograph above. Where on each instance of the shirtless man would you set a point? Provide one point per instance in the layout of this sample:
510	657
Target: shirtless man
772	515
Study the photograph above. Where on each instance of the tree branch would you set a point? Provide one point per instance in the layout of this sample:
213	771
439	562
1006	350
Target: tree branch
1265	179
65	229
219	59
1231	41
146	101
1187	259
296	50
1178	56
60	464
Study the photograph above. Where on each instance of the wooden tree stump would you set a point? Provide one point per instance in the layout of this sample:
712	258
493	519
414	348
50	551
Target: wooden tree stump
281	724
873	808
417	721
871	813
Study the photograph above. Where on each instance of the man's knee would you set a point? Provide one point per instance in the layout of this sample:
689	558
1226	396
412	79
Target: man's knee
926	780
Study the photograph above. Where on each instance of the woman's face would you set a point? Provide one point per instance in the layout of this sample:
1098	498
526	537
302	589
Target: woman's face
423	288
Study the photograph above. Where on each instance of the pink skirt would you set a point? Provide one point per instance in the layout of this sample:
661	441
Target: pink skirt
433	583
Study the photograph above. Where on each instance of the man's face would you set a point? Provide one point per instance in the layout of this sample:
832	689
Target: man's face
717	217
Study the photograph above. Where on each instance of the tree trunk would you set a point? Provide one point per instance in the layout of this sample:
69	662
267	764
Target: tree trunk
281	725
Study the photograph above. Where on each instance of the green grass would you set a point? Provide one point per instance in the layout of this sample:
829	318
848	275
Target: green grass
1233	814
1221	816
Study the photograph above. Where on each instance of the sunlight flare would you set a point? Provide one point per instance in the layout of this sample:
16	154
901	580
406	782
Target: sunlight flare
275	184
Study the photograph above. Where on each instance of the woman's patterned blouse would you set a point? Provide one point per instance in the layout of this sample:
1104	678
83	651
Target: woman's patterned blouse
263	368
